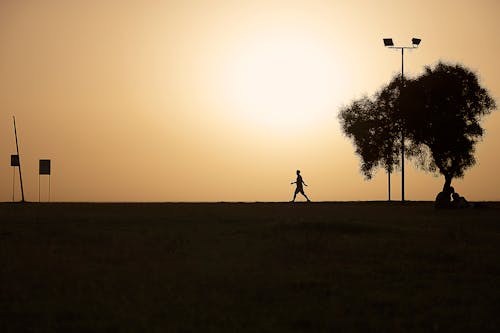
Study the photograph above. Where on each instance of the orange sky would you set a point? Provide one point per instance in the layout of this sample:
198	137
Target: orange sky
146	100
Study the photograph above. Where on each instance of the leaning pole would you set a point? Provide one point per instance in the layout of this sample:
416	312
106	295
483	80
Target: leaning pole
19	157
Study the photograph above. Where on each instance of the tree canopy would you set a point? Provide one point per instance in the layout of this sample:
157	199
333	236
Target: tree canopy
439	113
374	126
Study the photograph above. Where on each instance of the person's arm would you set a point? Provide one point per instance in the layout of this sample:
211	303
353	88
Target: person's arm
303	182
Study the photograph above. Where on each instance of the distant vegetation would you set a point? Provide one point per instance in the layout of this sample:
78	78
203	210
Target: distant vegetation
438	113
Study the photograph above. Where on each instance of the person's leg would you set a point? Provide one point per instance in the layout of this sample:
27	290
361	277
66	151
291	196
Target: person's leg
305	196
294	195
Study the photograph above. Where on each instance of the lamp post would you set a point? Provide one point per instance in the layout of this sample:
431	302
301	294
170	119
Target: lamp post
390	44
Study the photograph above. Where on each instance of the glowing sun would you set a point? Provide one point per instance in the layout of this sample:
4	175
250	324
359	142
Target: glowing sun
283	81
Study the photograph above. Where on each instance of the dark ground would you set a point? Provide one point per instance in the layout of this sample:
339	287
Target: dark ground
262	267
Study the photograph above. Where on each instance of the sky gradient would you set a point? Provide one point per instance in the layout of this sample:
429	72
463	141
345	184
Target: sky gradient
222	100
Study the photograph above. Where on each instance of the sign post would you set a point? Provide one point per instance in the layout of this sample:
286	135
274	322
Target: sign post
44	169
14	162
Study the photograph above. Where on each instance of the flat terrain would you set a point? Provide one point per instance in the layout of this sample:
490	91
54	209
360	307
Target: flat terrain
259	267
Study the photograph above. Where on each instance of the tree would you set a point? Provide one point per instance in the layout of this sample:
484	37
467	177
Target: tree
374	126
439	113
442	111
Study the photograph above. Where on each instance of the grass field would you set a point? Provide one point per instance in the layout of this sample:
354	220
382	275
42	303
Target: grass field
260	267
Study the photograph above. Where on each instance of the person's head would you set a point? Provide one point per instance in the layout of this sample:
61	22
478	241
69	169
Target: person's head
298	172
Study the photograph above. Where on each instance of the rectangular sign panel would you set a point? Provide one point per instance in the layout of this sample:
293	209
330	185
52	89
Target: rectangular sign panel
44	167
14	160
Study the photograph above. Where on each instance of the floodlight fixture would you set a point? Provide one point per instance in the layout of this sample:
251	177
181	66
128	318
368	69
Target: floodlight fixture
388	42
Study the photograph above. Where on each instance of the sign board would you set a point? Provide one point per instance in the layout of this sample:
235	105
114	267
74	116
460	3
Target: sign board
44	167
14	160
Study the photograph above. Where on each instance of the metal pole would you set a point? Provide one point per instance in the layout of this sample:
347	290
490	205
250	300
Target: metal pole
389	43
20	174
13	181
389	184
402	133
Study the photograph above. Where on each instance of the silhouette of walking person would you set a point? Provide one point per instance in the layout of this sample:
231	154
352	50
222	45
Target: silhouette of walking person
299	188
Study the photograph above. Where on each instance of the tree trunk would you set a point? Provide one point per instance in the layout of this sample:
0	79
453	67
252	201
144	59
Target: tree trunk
447	182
